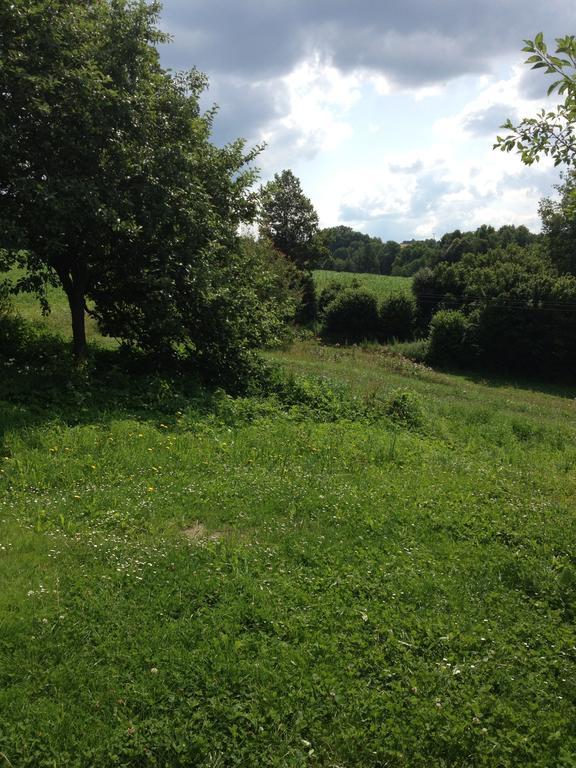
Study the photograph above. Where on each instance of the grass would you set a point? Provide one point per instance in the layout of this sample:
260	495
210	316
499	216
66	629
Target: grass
58	319
381	286
360	590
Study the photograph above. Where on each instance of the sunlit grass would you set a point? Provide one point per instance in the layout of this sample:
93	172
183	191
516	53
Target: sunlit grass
381	286
358	594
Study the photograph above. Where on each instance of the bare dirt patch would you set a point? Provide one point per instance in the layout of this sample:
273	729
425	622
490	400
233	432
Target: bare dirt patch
198	533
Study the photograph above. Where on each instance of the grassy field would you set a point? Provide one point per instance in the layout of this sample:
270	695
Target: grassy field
380	285
194	580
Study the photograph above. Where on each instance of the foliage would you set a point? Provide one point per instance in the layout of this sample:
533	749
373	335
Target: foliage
111	186
397	318
351	317
550	133
331	290
520	312
414	256
5	303
432	289
278	288
351	251
405	408
307	310
287	218
450	338
559	226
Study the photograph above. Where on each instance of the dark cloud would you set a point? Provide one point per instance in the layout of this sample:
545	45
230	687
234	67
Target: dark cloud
534	84
244	109
486	122
413	43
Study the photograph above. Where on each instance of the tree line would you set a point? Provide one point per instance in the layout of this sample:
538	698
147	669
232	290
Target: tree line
343	249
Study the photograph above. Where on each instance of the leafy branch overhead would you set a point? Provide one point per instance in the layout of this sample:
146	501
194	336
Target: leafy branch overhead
551	132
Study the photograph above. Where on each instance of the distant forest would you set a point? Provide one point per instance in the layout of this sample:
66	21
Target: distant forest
346	250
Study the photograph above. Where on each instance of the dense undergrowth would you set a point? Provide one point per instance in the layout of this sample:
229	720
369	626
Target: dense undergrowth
359	562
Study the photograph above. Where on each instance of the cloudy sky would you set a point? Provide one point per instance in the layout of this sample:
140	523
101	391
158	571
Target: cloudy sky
385	109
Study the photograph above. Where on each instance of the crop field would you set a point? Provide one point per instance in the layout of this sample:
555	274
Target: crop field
373	568
380	285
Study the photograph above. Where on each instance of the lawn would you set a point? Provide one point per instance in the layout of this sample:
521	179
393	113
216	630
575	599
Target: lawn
195	580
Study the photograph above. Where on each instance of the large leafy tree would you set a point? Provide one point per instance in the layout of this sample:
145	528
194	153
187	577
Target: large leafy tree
287	217
110	185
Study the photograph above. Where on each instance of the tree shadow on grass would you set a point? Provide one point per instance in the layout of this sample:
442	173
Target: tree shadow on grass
563	386
40	383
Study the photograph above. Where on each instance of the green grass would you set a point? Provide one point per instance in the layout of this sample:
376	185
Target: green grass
358	593
58	319
381	286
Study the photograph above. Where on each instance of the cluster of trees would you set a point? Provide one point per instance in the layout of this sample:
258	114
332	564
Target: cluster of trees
503	300
346	250
351	251
509	310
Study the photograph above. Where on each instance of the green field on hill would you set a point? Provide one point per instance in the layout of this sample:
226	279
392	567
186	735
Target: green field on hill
380	285
373	568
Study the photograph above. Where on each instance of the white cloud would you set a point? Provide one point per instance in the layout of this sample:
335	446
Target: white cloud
388	116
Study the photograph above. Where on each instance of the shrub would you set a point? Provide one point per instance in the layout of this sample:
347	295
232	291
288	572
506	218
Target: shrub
397	318
404	407
5	303
449	337
331	291
308	308
351	317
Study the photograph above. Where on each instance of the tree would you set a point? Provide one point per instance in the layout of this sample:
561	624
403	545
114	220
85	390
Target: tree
111	187
559	225
550	133
287	217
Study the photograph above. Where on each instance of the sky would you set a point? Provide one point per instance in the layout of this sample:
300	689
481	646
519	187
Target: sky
386	110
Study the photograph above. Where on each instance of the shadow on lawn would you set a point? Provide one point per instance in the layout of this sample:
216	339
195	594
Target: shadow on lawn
40	383
564	387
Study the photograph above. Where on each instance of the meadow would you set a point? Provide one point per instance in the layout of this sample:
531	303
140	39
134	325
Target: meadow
381	286
371	566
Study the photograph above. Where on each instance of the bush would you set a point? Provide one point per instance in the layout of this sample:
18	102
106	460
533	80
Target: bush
397	318
5	303
308	308
331	291
404	407
449	337
351	317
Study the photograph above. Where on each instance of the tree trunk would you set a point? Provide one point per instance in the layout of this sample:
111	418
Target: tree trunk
77	304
